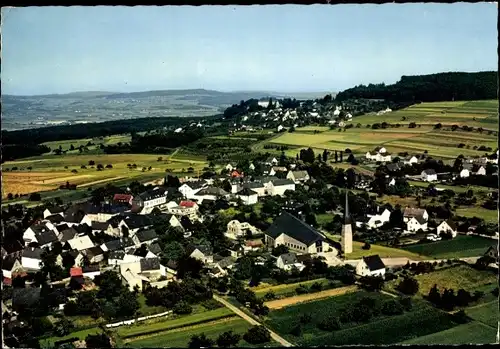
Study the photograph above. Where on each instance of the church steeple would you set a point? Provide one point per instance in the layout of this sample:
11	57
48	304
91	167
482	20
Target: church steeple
346	234
347	217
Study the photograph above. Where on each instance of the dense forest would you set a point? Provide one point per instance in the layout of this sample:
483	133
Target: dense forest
430	88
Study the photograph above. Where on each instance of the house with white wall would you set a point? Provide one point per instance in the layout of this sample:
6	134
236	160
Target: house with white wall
371	266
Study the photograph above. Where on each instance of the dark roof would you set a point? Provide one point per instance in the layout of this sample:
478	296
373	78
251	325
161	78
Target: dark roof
54	218
55	209
114	245
303	257
155	248
265	179
150	264
82	228
92	268
25	297
73	253
153	194
186	223
128	242
494	248
61	227
46	237
212	191
146	235
172	264
374	262
279	182
206	250
288	258
413	212
196	184
225	262
246	192
99	226
39	228
451	224
12	246
137	221
116	255
429	171
300	174
32	252
93	251
295	228
420	219
393	167
8	263
253	185
68	234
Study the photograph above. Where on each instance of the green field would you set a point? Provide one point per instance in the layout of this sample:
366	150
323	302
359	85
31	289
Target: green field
382	251
179	338
167	323
480	212
421	320
471	333
462	276
441	143
461	246
66	144
486	313
49	342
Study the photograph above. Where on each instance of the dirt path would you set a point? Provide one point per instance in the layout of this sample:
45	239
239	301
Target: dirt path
252	321
285	302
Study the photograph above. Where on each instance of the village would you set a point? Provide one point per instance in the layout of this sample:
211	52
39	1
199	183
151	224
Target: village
167	232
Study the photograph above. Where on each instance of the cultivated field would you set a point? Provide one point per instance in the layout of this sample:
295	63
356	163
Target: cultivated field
48	172
66	145
441	143
461	246
486	313
471	333
421	320
285	289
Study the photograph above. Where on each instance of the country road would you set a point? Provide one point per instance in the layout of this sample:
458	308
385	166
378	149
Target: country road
240	313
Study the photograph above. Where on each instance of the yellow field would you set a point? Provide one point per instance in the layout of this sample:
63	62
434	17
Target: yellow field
286	302
48	172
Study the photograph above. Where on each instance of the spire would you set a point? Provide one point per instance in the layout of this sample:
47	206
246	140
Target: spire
347	218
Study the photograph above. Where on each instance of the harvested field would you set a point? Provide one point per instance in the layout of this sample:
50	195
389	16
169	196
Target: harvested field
285	302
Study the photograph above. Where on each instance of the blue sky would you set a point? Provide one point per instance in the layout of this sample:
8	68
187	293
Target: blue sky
272	48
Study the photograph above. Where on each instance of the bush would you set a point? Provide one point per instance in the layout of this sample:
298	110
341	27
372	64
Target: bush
269	296
366	246
296	330
316	287
257	335
305	318
408	286
301	290
182	308
392	307
331	323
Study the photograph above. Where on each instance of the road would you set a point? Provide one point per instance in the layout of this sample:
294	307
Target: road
251	320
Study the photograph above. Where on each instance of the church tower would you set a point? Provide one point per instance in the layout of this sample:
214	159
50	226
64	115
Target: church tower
346	235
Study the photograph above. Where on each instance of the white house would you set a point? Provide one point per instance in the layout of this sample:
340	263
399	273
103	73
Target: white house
371	266
257	187
379	154
429	175
236	229
248	196
481	171
32	258
280	128
150	198
9	266
211	194
81	243
410	160
411	212
415	224
185	208
447	226
202	253
464	173
230	167
33	233
288	261
298	176
279	186
189	189
53	210
271	161
377	220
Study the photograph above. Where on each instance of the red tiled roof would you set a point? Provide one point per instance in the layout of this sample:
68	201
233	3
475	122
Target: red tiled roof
187	204
76	272
125	197
7	281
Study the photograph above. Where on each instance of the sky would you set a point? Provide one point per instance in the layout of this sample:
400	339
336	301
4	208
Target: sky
287	48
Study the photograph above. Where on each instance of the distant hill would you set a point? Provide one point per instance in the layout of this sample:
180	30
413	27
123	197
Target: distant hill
430	88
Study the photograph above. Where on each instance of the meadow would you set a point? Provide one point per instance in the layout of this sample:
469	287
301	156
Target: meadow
462	276
486	313
421	320
442	143
286	289
471	333
382	251
459	247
